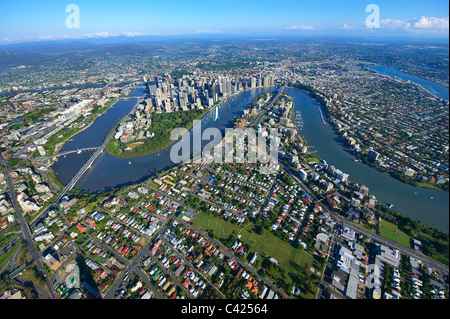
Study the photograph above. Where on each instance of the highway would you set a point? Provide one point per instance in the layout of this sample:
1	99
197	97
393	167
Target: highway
25	228
83	170
441	268
134	266
91	160
86	166
36	257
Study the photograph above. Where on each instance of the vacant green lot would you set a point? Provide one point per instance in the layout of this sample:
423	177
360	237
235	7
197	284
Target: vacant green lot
292	261
32	273
391	231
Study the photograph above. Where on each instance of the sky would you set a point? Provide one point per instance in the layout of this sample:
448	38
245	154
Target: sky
30	20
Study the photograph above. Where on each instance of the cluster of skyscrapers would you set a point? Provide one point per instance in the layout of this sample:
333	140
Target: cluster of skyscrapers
199	91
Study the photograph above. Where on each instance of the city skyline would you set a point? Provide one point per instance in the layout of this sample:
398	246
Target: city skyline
48	21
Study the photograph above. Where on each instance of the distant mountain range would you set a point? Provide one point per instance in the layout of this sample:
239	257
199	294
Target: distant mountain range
41	53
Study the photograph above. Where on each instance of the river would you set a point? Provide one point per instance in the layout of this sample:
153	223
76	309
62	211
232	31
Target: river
435	89
429	206
108	172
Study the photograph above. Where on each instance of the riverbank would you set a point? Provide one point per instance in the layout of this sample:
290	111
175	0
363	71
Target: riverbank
363	157
431	87
50	172
162	125
110	172
403	178
420	204
433	75
434	240
54	147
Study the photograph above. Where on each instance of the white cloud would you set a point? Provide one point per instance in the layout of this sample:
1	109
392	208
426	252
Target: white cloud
347	27
422	24
132	34
99	35
46	37
394	24
205	32
300	27
431	23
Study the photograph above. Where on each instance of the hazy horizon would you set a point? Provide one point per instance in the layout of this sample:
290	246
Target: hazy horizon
57	20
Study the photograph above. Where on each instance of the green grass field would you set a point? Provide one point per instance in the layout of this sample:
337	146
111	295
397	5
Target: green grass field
391	231
291	260
31	273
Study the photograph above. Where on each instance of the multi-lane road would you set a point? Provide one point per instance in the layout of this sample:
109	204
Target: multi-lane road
25	228
441	268
134	266
35	256
91	160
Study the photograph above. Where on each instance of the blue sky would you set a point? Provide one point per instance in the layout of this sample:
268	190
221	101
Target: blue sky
46	19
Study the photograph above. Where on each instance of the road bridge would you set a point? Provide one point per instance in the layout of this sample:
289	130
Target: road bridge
78	151
91	160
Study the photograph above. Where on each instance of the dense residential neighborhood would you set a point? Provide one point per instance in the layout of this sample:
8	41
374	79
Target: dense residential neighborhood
93	206
202	230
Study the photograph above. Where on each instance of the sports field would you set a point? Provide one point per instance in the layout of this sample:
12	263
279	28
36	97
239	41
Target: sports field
391	231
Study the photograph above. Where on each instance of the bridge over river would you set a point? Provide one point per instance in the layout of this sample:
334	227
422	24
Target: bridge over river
78	151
